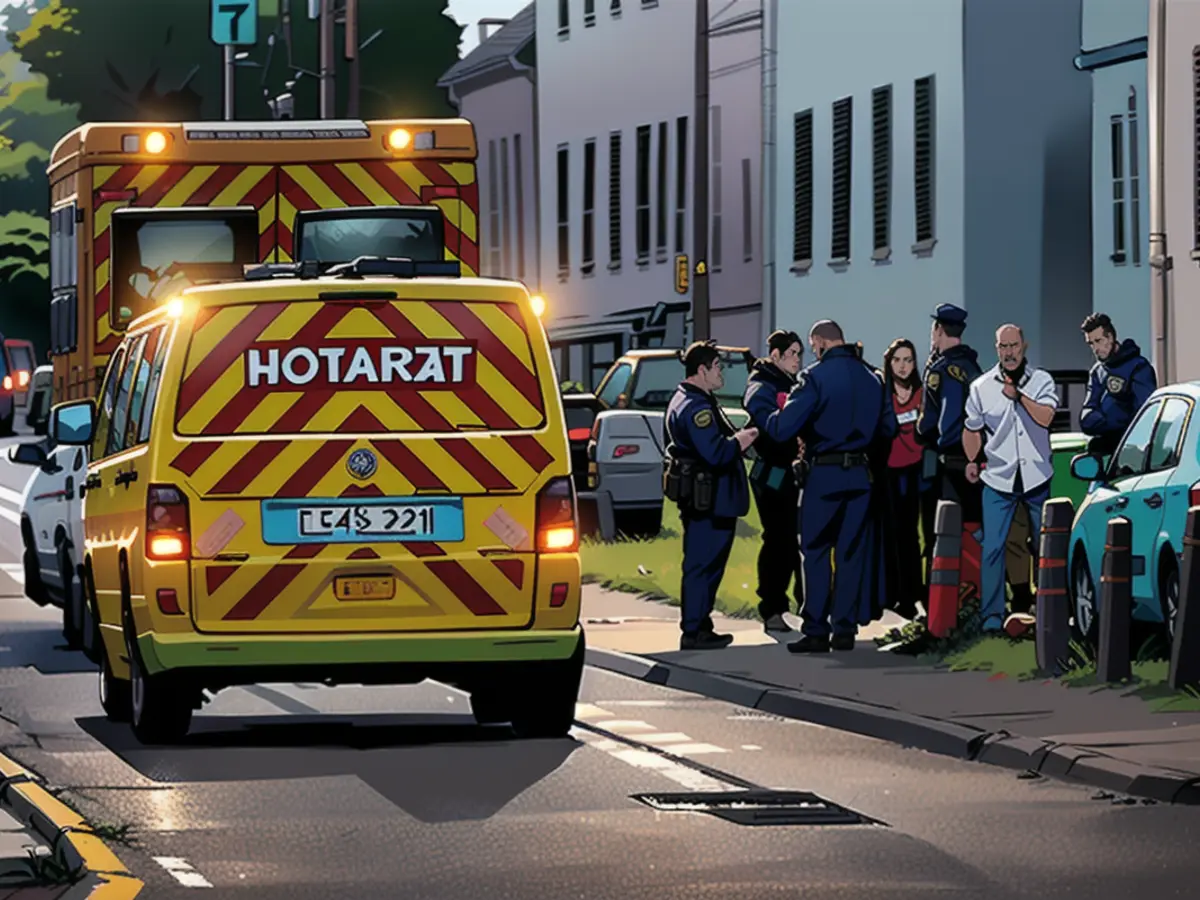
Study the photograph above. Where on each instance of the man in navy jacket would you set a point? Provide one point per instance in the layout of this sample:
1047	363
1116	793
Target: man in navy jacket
1120	383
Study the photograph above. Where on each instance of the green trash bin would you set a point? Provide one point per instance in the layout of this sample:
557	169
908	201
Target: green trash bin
1065	447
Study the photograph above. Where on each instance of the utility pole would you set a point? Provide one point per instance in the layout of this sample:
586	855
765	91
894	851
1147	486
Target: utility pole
352	57
1160	261
230	72
327	63
700	177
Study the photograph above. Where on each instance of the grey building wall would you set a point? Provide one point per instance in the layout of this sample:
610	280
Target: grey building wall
1108	22
1182	154
1028	185
501	106
828	50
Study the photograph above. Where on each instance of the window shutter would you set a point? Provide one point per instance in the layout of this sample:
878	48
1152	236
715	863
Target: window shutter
614	198
923	157
802	201
881	165
843	134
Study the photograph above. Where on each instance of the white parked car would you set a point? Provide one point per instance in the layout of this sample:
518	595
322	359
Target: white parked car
52	535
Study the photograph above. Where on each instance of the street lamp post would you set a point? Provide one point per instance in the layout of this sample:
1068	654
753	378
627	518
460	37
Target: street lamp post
701	325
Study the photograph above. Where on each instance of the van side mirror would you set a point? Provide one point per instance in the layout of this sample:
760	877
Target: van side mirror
27	454
1086	467
73	424
125	313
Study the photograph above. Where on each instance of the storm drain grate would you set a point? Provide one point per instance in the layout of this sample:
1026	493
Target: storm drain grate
758	807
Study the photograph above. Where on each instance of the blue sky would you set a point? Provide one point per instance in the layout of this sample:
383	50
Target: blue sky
468	12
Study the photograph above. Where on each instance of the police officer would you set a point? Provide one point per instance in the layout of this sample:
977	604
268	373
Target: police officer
839	409
773	482
706	477
1120	383
943	405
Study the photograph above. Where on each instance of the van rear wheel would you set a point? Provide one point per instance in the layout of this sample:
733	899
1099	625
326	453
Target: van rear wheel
544	707
162	707
116	696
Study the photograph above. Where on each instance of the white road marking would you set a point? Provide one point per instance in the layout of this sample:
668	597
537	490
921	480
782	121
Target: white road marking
671	737
15	571
625	725
751	747
689	778
183	871
588	711
8	495
7	513
641	702
696	749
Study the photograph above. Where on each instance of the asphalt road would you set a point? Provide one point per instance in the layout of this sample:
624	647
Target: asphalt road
294	791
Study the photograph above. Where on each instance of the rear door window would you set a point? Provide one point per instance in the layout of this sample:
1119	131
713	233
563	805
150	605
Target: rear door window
152	346
153	383
107	405
1130	458
1168	434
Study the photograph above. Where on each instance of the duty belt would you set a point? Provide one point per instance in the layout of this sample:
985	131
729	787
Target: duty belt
845	460
953	461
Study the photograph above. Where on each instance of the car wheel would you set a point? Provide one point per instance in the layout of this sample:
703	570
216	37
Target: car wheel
6	425
116	695
1168	596
489	707
34	589
162	709
1084	607
91	616
545	705
73	618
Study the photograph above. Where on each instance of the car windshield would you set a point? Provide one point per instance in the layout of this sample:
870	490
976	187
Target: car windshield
20	358
658	377
343	240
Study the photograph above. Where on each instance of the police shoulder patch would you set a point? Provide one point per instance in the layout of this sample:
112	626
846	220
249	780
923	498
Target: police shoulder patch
1115	384
957	373
933	381
703	418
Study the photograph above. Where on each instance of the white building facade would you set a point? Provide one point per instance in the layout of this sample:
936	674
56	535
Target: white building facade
495	87
927	153
616	96
1114	52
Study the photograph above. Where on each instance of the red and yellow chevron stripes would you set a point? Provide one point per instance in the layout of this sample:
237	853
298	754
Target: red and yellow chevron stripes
170	187
450	186
296	593
499	388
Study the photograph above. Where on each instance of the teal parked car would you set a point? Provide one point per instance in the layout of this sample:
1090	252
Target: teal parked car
1152	479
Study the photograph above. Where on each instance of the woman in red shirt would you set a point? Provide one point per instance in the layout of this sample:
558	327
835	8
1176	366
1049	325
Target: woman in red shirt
906	583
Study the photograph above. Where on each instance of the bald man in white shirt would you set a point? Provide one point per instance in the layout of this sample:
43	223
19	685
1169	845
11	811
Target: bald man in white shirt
1014	403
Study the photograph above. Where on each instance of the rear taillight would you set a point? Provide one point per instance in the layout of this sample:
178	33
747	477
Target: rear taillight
22	379
625	450
8	382
1194	495
558	595
167	533
579	434
557	523
168	602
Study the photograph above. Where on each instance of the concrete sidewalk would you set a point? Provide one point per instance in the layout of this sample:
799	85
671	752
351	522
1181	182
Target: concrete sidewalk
22	856
1099	736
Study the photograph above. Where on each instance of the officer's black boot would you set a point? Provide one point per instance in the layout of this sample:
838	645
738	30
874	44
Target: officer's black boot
809	644
705	640
1022	598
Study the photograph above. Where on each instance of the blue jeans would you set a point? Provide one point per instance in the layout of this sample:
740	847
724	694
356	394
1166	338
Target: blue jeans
998	510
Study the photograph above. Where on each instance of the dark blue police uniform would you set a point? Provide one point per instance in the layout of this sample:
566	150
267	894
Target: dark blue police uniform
943	411
697	430
776	493
839	408
1117	388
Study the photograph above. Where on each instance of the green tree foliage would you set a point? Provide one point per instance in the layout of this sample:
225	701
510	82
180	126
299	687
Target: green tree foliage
146	60
24	277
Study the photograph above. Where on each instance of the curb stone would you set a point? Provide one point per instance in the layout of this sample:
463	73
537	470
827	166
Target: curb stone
75	847
1073	765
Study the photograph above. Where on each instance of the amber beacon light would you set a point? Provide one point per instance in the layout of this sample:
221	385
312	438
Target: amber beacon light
156	142
399	139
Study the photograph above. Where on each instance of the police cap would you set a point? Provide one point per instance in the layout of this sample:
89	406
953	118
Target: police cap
950	314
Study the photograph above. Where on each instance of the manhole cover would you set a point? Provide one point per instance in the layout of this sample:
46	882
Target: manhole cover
758	807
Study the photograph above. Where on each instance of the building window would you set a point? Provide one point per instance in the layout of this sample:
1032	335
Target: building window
519	190
564	18
802	189
1135	198
589	208
747	215
643	194
925	160
1117	133
714	250
614	9
614	200
681	169
843	136
660	218
564	212
505	212
881	169
494	258
589	13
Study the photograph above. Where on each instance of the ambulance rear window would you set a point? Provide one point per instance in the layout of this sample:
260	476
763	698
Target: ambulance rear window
359	367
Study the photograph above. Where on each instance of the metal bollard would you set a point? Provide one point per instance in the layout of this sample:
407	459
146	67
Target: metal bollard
1053	600
1116	602
943	575
1185	647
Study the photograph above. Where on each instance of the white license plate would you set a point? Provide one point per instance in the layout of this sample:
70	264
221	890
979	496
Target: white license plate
410	521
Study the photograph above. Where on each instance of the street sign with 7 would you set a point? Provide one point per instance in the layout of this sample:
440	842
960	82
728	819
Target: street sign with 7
234	22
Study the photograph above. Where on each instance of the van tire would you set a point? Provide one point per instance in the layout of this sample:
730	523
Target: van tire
488	707
544	706
34	589
161	707
116	696
92	641
74	620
